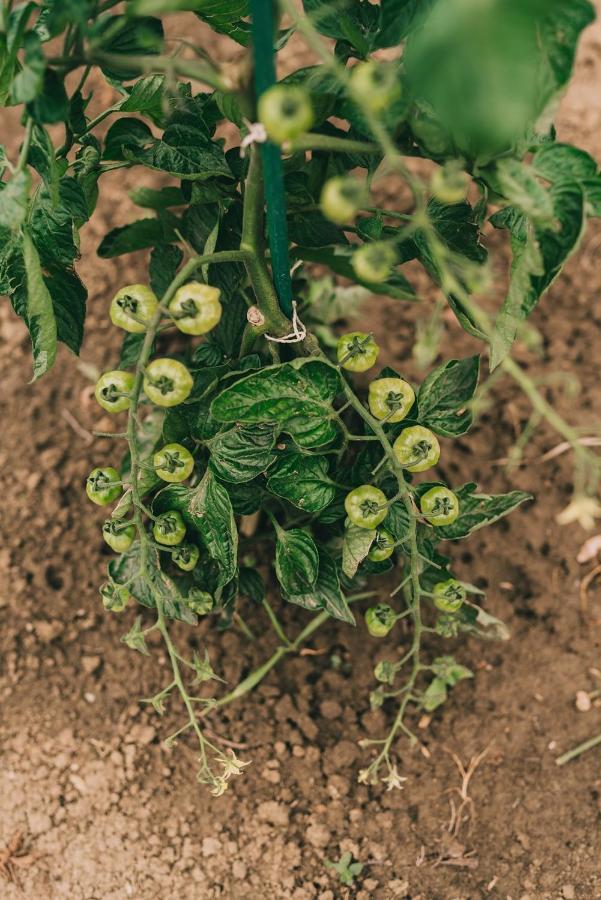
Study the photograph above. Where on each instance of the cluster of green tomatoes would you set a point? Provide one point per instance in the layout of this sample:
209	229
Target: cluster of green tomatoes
195	309
416	449
286	113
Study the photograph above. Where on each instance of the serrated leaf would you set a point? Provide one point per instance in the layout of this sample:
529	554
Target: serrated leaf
39	312
185	151
450	671
14	200
134	639
560	162
303	481
136	236
445	392
356	546
296	560
243	452
478	510
296	396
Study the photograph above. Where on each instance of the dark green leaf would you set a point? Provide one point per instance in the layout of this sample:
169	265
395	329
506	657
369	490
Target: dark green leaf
130	350
11	39
14	200
51	104
69	301
126	136
303	481
210	509
457	228
398	18
147	96
136	236
157	199
444	394
517	182
185	151
251	585
165	260
296	561
312	229
561	162
296	396
327	593
38	311
243	452
398	521
120	36
30	80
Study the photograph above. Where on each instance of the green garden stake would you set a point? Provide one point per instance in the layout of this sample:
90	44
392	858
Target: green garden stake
263	25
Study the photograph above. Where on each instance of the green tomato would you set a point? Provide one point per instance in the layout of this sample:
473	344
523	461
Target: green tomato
374	262
133	307
449	595
195	308
341	198
186	556
101	486
380	619
449	183
113	389
118	535
366	506
169	528
115	597
417	448
382	546
167	382
375	85
173	463
357	351
390	399
285	111
440	506
200	602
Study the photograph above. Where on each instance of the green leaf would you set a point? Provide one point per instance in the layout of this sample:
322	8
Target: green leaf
518	183
38	312
354	21
126	569
251	585
434	695
11	39
312	229
562	162
223	16
130	350
147	96
445	392
69	301
356	546
121	36
51	104
136	236
457	227
165	260
134	639
296	560
14	200
243	452
303	481
185	151
209	508
296	396
30	80
157	199
478	510
398	521
398	18
126	136
327	593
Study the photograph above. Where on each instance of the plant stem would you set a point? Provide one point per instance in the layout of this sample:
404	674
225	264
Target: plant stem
326	142
577	751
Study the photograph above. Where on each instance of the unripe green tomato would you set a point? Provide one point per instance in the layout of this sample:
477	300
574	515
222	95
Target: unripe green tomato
449	183
115	597
375	84
390	399
285	111
173	463
385	671
380	619
113	389
382	547
118	535
357	351
374	262
133	307
449	595
196	308
101	486
186	556
167	382
200	602
169	528
417	448
341	198
440	506
366	506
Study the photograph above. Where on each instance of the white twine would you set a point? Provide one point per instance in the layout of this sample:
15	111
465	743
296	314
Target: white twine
299	332
256	135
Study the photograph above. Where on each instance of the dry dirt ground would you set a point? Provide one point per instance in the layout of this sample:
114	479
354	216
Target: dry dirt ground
106	812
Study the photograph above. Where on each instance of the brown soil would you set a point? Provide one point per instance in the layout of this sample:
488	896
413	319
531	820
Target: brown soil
106	812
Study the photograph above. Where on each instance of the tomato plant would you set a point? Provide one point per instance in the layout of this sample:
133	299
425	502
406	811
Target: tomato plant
236	371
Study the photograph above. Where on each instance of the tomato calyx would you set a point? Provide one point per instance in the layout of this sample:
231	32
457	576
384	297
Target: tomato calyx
356	346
